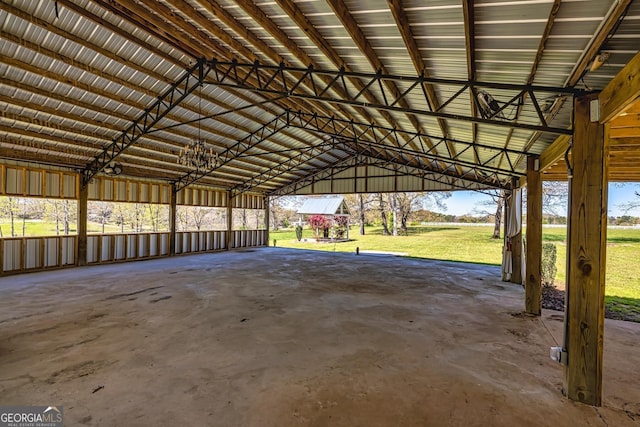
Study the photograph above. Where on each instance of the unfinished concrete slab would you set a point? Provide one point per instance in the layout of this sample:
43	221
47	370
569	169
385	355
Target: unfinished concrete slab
281	337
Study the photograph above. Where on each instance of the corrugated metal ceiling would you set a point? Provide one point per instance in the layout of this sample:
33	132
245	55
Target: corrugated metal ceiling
72	83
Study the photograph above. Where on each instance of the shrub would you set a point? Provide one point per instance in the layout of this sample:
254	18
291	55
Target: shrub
299	232
548	267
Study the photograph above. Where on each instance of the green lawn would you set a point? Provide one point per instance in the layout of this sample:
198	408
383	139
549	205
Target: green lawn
474	244
43	228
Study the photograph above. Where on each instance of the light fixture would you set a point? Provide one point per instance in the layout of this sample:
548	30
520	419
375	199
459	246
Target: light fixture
599	60
195	154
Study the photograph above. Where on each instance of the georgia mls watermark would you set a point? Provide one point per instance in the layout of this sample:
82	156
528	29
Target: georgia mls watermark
31	416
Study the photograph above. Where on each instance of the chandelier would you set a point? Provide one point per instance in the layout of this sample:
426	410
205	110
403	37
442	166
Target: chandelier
196	156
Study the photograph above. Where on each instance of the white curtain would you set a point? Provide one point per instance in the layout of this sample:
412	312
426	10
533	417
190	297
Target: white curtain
514	227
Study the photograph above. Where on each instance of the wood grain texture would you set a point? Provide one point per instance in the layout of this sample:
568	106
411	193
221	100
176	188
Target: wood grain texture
533	287
586	254
621	92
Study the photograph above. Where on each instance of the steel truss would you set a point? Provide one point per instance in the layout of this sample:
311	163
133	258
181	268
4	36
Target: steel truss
356	160
292	164
178	91
308	84
264	132
386	139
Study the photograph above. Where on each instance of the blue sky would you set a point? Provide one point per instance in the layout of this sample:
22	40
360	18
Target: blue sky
463	202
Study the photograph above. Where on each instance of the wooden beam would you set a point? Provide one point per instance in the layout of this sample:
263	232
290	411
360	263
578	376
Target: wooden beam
533	287
297	16
82	225
267	203
402	22
622	91
173	227
554	152
598	41
553	13
628	132
625	121
229	219
586	252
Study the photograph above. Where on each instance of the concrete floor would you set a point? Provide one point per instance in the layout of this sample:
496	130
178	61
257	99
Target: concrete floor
279	337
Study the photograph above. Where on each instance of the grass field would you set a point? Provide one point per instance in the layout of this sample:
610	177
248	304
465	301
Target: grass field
42	228
474	244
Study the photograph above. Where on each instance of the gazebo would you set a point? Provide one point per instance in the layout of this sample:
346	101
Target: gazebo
330	207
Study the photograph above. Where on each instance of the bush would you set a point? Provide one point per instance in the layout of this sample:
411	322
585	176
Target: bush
299	232
548	267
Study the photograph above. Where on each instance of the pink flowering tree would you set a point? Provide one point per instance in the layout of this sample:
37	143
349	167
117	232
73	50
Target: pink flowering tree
319	224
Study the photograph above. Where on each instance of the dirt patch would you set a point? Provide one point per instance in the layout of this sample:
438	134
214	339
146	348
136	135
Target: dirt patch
553	299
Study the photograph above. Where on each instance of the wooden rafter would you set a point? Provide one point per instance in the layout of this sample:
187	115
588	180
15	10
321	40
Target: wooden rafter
304	24
468	12
361	41
553	13
598	41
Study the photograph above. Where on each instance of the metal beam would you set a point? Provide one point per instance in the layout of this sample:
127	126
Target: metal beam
361	159
385	139
236	150
292	164
271	79
193	77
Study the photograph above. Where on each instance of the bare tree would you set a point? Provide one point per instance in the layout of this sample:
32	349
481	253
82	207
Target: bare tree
102	211
198	216
9	207
554	197
362	219
394	210
383	214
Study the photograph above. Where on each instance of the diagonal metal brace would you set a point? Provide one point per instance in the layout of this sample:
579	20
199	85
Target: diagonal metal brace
173	96
236	150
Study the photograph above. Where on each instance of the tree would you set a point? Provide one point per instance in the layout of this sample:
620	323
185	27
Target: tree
120	212
9	208
198	216
383	214
394	211
497	200
320	224
154	211
634	204
361	215
101	211
554	197
359	205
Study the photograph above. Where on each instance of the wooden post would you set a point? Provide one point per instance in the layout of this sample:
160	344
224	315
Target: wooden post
82	225
533	287
587	238
173	207
266	220
229	219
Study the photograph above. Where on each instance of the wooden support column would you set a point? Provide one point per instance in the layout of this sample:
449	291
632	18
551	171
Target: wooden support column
173	207
533	287
587	238
266	220
229	219
82	224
